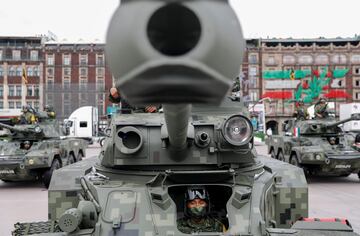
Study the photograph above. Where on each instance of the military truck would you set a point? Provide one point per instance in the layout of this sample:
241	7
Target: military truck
182	53
319	146
34	151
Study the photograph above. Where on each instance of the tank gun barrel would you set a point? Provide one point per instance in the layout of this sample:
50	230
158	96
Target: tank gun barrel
353	117
35	130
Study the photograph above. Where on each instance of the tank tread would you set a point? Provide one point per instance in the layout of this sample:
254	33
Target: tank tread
36	228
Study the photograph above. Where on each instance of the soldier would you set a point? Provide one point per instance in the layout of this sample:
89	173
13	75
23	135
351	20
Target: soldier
28	115
50	111
197	210
321	109
27	145
126	108
332	140
301	112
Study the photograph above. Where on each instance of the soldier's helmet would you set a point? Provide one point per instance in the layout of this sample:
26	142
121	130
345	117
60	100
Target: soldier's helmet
48	108
322	100
25	108
196	192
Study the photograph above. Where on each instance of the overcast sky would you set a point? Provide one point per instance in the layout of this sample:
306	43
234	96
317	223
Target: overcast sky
88	19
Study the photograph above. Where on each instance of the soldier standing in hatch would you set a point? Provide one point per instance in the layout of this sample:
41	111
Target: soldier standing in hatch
321	109
301	112
50	111
126	108
197	210
28	115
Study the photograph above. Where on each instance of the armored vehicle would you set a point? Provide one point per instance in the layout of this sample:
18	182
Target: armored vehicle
182	53
34	151
319	146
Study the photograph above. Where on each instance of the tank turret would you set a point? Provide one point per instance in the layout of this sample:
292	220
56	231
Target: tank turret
43	130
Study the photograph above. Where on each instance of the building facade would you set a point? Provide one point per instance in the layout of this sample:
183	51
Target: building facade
18	56
76	75
287	71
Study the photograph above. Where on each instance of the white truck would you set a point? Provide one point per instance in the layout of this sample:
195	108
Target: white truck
83	123
346	110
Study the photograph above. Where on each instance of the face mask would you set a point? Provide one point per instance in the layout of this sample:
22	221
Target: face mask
197	211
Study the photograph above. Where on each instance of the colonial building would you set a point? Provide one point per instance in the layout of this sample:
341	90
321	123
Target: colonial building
292	69
20	56
76	75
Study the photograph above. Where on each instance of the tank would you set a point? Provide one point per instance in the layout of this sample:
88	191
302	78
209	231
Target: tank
319	146
184	55
33	152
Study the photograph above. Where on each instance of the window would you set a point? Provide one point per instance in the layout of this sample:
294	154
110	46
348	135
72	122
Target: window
30	71
1	104
83	124
253	59
83	71
1	91
50	60
18	91
66	83
66	71
18	105
66	60
322	60
36	91
100	71
271	61
19	71
29	90
34	55
50	71
12	71
11	90
355	59
83	84
305	59
83	99
49	99
1	71
339	59
36	71
1	54
16	54
83	60
50	84
100	85
356	70
357	83
253	71
36	105
11	105
289	60
356	95
100	60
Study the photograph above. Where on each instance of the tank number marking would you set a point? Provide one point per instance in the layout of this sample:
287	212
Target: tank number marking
7	172
343	166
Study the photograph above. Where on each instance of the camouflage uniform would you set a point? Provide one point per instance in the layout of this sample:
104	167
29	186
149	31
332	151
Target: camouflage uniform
301	113
208	224
321	110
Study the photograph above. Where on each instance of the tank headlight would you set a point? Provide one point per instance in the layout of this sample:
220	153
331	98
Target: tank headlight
237	130
318	157
31	162
38	129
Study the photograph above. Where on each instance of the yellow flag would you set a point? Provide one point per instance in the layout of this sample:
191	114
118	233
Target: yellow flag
24	76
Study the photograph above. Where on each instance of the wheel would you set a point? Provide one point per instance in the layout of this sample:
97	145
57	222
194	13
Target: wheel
46	178
102	142
71	159
294	161
280	156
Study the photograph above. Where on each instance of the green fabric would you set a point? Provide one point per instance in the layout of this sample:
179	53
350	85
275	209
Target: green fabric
340	73
285	74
